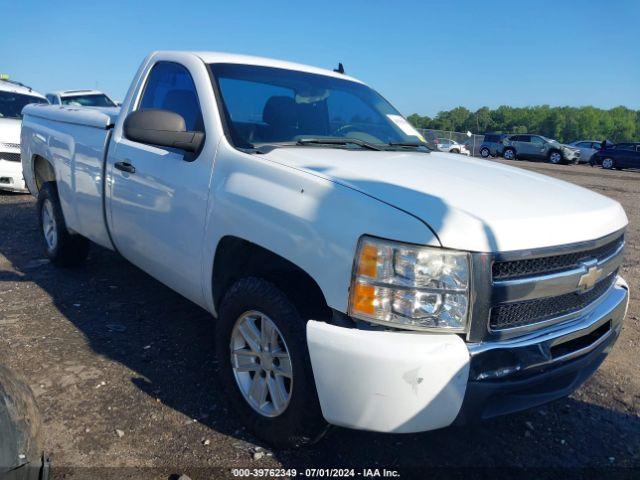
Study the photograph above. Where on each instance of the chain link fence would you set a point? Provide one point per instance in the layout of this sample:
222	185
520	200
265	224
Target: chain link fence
472	142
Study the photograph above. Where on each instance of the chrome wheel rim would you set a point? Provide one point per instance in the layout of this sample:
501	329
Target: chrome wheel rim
484	153
49	227
261	363
508	154
607	163
555	157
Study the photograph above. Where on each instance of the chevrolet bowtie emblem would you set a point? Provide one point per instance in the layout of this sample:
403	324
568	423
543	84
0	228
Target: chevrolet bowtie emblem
589	279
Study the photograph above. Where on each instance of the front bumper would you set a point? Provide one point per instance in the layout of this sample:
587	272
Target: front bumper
401	382
11	177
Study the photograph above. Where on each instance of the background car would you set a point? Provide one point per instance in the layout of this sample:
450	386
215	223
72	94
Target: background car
619	156
13	98
451	146
537	147
492	145
81	98
587	148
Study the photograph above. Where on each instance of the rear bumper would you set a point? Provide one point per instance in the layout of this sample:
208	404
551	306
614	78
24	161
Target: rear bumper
404	382
11	177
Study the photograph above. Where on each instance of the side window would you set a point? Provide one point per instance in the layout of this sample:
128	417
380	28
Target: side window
170	87
515	138
596	145
52	99
537	141
525	138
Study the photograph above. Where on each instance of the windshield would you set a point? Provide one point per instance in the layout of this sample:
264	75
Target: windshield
11	104
91	100
265	105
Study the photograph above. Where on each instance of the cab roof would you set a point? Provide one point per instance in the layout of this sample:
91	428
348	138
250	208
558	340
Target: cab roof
221	57
15	87
65	93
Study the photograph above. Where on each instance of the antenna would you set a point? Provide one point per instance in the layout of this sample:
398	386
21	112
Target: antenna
340	68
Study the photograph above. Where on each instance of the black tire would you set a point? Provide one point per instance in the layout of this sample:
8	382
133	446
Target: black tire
302	422
455	150
69	249
608	163
509	151
485	152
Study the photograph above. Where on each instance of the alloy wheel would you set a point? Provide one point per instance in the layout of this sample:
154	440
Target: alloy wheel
261	363
49	226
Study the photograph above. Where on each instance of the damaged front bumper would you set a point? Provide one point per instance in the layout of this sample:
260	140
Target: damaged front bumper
401	382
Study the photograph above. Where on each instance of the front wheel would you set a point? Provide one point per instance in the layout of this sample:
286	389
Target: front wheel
509	154
484	152
555	158
608	163
264	365
455	150
63	248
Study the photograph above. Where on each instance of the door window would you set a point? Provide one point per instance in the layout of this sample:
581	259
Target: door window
537	141
170	87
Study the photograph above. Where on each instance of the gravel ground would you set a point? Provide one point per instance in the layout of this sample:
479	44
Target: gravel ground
123	371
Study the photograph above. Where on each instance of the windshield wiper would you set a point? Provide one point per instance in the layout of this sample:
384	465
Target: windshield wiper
338	141
409	144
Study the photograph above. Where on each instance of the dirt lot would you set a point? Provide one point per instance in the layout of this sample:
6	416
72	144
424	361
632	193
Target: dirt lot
107	349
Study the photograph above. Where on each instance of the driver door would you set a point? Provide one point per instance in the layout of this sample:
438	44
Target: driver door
158	203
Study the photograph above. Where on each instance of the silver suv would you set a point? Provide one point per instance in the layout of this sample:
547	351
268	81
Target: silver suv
537	147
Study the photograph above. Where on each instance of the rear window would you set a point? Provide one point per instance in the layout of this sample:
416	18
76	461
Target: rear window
89	100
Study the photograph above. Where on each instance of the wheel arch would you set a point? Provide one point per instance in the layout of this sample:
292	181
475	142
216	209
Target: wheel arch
43	171
237	258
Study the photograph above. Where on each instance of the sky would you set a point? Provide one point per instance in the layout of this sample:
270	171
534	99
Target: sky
422	56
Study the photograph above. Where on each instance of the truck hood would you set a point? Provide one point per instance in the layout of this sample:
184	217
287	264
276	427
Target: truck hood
470	204
10	130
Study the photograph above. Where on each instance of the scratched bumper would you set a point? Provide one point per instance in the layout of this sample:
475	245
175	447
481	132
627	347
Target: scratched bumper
404	382
387	381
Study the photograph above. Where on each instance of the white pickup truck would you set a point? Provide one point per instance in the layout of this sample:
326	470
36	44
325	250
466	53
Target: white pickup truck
357	278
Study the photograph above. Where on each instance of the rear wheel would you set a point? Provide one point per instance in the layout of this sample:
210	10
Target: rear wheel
62	247
454	150
485	152
608	163
509	154
264	365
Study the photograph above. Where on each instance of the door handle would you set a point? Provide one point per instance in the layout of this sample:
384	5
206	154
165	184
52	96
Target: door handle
125	167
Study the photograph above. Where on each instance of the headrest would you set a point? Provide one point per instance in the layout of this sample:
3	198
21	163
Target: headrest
280	110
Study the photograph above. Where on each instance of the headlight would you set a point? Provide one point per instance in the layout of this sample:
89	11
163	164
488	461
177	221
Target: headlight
409	286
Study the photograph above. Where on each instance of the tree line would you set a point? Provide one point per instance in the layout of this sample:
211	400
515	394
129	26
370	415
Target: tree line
564	124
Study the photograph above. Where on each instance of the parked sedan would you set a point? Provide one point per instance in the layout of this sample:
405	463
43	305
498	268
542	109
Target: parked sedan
619	156
587	148
451	146
537	147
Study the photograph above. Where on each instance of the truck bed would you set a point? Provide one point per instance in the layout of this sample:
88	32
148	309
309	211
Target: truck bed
87	116
74	141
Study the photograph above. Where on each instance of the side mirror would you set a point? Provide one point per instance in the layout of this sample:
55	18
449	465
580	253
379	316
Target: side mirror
162	128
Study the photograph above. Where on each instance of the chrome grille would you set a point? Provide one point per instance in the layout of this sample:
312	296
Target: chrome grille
517	314
10	156
551	264
537	288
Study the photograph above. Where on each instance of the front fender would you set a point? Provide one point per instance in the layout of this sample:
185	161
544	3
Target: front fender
308	220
